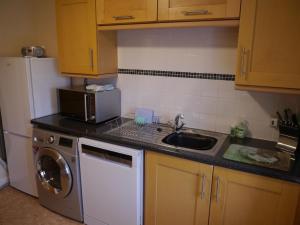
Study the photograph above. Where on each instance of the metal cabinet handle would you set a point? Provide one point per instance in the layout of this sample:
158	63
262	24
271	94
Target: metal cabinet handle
244	62
203	183
123	17
91	51
85	108
218	189
196	12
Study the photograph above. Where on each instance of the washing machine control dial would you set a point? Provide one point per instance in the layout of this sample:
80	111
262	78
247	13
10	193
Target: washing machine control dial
51	140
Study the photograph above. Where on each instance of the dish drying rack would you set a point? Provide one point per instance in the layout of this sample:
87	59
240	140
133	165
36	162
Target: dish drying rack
150	133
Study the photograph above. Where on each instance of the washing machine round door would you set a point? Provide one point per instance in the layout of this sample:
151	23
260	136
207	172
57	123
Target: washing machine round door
53	172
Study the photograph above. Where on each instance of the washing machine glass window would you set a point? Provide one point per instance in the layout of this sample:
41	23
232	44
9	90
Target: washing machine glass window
53	172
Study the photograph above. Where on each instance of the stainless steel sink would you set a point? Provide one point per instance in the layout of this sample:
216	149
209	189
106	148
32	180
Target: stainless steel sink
195	140
190	140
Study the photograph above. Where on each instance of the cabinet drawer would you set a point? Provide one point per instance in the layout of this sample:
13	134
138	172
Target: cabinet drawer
197	9
130	11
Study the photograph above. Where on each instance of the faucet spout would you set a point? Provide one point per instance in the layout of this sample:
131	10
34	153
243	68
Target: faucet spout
179	122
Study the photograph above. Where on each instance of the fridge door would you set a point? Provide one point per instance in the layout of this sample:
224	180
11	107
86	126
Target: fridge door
15	104
45	79
20	163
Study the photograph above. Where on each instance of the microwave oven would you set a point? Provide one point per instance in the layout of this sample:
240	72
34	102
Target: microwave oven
89	106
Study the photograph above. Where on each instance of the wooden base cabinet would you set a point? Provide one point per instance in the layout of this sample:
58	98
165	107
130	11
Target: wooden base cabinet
177	191
82	50
184	192
242	198
269	46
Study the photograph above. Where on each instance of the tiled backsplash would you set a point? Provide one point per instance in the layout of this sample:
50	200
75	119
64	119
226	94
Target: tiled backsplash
162	73
207	104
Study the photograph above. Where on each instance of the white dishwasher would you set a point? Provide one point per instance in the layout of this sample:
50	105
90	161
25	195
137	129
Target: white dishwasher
112	183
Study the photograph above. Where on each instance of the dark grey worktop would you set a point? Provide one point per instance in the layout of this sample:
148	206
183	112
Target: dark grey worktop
59	123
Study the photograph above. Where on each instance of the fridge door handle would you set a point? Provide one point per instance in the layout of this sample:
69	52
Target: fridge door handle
85	108
12	133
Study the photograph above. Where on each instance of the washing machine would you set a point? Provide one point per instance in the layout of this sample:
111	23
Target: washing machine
58	172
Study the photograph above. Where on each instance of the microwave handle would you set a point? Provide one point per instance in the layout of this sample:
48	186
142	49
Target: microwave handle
85	108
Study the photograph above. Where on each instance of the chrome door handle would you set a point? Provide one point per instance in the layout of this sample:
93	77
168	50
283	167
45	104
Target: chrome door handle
91	52
85	108
123	17
244	62
203	183
218	189
196	12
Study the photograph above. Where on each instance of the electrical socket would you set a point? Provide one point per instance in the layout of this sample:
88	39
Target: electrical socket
274	122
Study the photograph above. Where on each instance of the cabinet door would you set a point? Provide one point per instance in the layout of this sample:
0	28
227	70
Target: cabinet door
198	9
129	11
77	40
269	46
241	198
177	191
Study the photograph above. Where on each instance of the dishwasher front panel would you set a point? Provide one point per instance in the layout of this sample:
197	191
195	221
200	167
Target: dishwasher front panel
112	183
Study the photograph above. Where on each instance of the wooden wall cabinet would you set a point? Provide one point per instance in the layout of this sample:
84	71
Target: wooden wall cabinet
269	46
118	12
179	191
83	50
130	11
242	198
198	9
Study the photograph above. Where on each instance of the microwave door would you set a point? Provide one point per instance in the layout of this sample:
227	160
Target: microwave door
74	104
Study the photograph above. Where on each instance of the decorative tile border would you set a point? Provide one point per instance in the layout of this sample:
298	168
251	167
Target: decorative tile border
208	76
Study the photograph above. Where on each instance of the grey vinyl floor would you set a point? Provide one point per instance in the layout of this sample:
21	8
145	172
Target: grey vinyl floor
17	208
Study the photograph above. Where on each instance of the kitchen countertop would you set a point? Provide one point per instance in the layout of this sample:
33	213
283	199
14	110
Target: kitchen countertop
59	123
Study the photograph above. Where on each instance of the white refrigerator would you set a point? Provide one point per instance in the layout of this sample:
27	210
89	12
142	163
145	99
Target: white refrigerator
27	91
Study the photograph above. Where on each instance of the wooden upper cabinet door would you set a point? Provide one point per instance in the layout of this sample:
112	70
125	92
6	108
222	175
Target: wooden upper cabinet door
197	9
177	191
244	199
77	38
126	11
269	46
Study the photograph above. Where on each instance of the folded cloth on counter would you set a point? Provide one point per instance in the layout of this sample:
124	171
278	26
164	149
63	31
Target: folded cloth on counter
96	87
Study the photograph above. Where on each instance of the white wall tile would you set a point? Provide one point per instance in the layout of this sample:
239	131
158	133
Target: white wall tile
207	104
187	50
